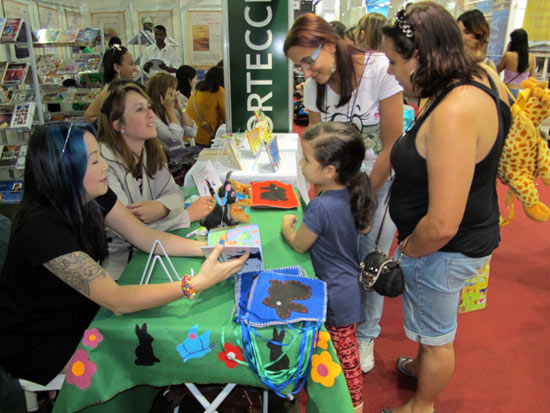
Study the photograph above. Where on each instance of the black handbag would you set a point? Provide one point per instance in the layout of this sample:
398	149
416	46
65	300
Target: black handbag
380	272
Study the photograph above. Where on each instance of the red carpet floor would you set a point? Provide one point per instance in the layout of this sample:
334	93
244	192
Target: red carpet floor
502	362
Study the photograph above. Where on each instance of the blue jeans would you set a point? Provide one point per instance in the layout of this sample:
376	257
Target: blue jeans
432	290
370	328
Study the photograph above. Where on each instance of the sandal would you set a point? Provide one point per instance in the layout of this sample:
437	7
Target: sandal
401	362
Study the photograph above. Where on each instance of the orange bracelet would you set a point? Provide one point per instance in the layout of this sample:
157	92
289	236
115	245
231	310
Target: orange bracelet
187	288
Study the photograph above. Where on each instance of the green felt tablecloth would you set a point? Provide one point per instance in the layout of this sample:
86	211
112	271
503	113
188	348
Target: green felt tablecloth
119	385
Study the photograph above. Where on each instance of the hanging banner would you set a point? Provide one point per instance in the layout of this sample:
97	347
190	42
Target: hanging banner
257	73
535	22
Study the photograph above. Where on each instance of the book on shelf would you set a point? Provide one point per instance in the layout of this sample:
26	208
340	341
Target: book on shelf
11	191
9	155
2	24
12	28
6	113
238	240
22	95
21	157
47	64
71	66
273	194
23	115
46	35
3	66
86	36
15	73
67	36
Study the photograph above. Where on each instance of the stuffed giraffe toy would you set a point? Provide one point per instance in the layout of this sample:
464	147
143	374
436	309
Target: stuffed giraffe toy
525	154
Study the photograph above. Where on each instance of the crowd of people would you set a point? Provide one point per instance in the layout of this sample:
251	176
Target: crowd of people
97	195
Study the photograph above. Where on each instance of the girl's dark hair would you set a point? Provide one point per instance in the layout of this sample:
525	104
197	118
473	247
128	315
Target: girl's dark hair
435	36
112	110
340	145
339	28
112	56
474	21
310	30
184	75
54	180
519	43
212	80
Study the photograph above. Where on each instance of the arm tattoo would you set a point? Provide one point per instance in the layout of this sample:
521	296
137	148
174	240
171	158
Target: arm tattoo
77	269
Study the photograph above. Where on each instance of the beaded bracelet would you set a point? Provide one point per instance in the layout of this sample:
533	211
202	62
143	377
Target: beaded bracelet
187	288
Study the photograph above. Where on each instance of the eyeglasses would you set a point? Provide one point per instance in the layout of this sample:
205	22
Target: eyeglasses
66	140
307	63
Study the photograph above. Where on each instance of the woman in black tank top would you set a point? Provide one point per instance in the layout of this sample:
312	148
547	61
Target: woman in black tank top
443	199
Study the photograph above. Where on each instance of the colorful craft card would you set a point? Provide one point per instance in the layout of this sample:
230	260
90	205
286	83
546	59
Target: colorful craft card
273	194
237	241
206	179
254	140
272	149
233	155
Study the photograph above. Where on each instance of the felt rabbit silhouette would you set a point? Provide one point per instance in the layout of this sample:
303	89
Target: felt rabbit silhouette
144	350
276	350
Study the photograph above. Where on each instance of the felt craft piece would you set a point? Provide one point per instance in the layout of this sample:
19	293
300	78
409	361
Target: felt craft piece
195	346
144	350
525	154
280	373
273	194
283	299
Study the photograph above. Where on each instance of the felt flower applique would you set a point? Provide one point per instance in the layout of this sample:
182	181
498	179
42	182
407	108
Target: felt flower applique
229	354
322	340
92	338
81	370
323	369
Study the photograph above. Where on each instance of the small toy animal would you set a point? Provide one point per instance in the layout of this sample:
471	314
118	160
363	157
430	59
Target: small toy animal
525	154
144	350
228	210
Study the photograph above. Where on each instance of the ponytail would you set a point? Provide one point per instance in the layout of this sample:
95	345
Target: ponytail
362	200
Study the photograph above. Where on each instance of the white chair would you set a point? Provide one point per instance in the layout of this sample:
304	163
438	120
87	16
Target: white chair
211	407
31	389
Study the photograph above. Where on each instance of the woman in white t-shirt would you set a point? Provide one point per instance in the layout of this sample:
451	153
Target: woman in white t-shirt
348	84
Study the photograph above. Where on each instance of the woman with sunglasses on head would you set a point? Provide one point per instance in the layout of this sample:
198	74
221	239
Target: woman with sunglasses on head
443	199
118	63
52	284
348	84
137	170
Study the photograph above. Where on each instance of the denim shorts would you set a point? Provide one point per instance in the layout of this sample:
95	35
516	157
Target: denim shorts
432	289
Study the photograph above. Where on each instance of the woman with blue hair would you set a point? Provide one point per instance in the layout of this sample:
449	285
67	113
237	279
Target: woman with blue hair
52	283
